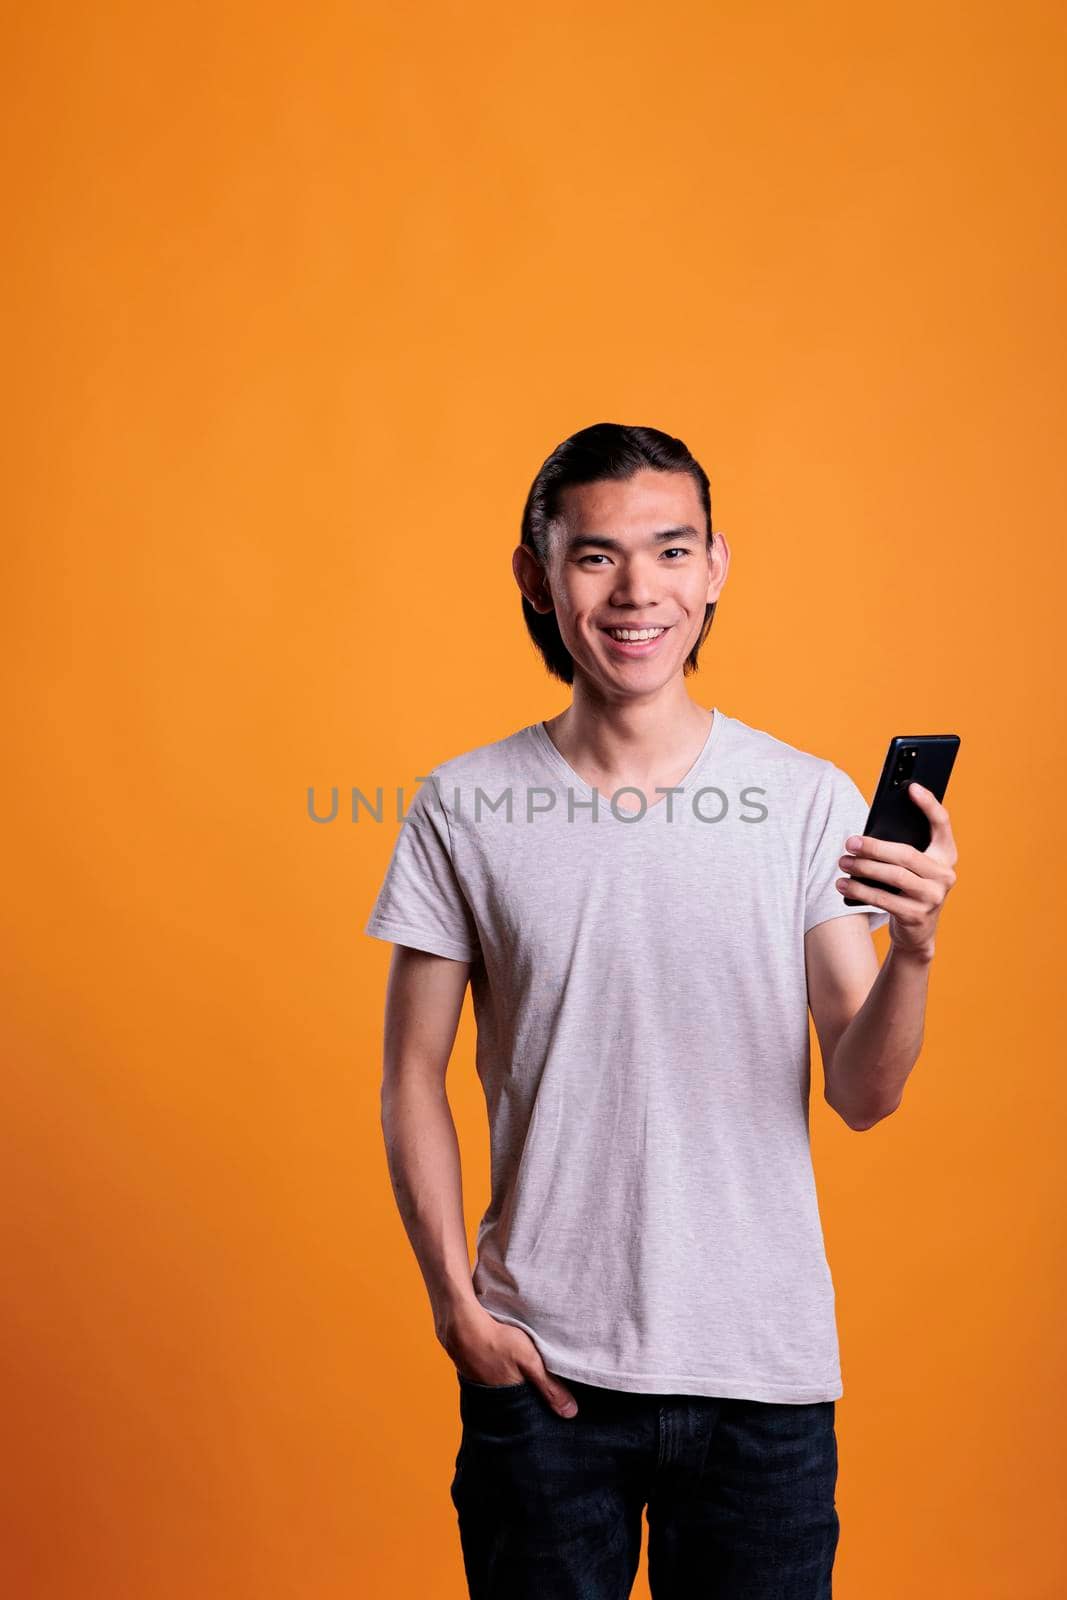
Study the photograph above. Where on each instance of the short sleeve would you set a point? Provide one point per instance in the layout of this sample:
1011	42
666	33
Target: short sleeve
844	812
421	902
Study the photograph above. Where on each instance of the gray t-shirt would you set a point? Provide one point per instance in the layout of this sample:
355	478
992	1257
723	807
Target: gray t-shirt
640	996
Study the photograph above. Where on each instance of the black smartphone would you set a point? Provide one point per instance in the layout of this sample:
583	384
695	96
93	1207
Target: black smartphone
924	758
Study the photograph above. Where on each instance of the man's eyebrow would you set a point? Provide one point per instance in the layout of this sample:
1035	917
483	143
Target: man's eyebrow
600	541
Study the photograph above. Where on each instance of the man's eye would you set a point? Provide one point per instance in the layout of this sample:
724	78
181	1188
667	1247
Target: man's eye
591	558
677	549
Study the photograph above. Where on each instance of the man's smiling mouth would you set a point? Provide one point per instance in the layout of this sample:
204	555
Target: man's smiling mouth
636	635
635	642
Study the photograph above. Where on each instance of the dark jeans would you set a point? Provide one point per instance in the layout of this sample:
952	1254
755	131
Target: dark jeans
739	1495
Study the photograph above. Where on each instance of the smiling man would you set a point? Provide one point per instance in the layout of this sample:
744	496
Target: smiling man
645	896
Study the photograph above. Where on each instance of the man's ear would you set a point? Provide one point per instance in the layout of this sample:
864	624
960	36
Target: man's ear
531	578
718	566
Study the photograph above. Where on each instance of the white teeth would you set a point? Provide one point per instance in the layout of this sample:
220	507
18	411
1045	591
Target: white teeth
632	636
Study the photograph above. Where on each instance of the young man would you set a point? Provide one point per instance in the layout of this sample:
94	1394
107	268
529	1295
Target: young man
645	897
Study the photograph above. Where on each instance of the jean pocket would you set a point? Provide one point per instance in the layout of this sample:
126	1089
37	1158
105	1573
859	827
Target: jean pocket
490	1388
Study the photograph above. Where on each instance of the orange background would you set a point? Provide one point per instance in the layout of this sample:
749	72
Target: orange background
298	299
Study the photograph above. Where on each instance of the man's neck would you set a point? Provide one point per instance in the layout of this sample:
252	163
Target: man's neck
630	740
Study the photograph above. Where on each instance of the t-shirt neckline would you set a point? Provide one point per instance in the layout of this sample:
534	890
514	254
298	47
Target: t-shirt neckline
564	768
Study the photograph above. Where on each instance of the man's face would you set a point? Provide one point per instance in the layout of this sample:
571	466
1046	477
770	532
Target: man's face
632	554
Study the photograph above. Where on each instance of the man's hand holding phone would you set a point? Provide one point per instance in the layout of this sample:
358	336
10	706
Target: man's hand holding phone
920	880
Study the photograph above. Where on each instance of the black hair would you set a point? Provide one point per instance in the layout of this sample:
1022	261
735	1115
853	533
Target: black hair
604	450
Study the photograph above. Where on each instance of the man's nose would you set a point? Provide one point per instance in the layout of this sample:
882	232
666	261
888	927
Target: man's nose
635	585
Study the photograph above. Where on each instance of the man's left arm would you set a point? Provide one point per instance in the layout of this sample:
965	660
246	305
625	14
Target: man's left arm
870	1021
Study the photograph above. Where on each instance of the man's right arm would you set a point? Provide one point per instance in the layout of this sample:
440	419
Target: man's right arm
422	1010
424	1000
